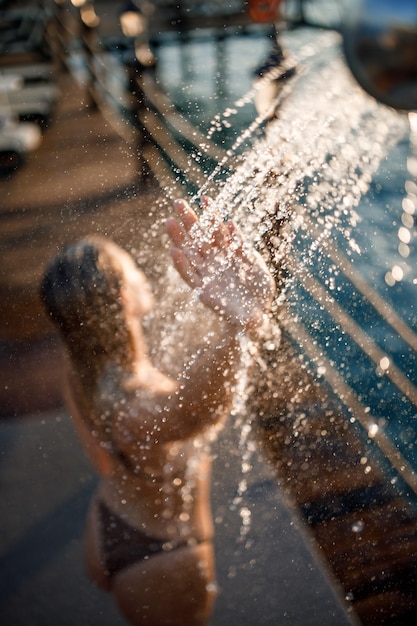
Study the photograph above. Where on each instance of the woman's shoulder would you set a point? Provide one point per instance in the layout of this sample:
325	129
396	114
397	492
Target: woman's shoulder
143	379
117	383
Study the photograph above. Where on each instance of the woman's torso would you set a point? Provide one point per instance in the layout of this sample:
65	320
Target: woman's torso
164	490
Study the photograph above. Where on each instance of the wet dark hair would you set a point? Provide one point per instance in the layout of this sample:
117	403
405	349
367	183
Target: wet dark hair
80	291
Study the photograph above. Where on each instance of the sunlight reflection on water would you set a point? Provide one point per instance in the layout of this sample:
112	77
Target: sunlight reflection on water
332	167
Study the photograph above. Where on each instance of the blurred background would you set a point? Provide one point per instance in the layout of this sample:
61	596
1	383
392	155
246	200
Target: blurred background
108	110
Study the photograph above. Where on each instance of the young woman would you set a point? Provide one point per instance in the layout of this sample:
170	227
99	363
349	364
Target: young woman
149	529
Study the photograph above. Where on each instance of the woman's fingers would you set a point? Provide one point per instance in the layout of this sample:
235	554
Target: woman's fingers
185	214
185	268
206	243
175	232
178	227
204	235
214	227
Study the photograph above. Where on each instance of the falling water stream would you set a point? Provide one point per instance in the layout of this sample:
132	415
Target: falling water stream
305	177
322	180
304	188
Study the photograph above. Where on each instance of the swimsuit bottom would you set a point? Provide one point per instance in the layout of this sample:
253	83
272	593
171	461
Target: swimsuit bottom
124	545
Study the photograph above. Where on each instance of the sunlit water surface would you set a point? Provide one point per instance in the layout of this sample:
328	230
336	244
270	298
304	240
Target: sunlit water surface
327	192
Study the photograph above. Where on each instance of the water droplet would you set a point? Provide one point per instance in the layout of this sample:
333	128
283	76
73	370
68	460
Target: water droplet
397	273
357	527
384	363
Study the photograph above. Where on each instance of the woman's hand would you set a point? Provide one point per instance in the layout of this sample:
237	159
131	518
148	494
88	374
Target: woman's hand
211	256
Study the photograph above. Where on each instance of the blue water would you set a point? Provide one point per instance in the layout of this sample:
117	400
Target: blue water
204	79
380	211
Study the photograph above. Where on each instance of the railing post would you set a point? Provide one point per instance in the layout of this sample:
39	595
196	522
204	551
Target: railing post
138	107
89	21
58	36
134	20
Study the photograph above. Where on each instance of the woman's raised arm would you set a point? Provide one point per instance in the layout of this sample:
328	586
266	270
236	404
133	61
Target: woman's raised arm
231	279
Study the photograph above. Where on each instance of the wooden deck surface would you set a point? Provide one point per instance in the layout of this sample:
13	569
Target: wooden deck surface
83	179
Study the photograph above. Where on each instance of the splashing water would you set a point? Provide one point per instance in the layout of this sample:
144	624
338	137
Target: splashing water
320	155
297	187
295	190
316	160
409	206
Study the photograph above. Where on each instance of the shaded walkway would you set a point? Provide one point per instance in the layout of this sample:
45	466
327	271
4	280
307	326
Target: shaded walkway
271	576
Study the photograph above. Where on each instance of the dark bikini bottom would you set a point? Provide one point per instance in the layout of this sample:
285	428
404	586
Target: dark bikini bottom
124	545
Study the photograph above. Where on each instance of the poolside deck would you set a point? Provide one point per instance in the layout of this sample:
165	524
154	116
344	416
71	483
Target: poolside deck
83	179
